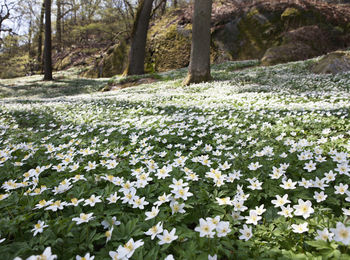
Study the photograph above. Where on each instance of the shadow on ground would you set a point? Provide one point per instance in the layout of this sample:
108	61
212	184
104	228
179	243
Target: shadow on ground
50	89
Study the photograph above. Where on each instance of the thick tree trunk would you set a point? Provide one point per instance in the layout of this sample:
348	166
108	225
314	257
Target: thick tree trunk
40	38
199	68
48	46
59	26
138	38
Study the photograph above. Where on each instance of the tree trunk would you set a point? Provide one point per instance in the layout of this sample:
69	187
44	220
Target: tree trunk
62	23
30	35
138	38
48	46
199	68
40	38
175	3
163	8
58	26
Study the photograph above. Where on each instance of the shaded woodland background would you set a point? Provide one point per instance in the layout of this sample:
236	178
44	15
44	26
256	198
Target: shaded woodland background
96	34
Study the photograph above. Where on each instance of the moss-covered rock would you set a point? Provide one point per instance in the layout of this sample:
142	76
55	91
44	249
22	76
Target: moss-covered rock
335	62
292	18
247	32
300	44
265	30
290	12
113	62
255	31
169	44
64	63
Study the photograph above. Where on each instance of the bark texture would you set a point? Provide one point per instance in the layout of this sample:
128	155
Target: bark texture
199	68
48	43
138	38
40	37
58	25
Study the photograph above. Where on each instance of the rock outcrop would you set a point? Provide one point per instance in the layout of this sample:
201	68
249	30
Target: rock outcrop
299	44
335	62
274	31
111	63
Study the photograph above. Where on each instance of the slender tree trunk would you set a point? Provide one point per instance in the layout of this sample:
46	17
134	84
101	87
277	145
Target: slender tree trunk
75	9
58	26
138	38
40	38
175	3
199	68
62	24
163	8
48	45
30	34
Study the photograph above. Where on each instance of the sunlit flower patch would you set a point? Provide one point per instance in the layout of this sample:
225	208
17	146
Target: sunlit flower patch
240	168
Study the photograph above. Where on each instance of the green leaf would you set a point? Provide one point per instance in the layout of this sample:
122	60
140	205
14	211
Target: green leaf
319	244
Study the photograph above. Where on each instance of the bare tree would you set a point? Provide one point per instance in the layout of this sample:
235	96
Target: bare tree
5	12
138	38
48	45
199	68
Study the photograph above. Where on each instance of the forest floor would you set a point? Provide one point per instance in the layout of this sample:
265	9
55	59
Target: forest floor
254	164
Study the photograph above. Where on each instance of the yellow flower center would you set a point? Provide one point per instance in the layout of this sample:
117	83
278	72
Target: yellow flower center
129	246
344	234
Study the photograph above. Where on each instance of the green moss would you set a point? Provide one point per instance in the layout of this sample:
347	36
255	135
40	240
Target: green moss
252	13
64	63
169	45
254	31
12	67
113	63
290	12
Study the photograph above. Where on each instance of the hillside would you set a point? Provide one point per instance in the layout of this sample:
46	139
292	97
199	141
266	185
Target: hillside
253	165
271	31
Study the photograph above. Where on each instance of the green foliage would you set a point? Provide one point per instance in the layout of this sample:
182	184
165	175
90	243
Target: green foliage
267	115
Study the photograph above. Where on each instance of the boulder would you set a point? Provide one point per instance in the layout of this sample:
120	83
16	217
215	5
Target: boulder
299	44
286	53
274	31
335	62
168	44
113	62
245	37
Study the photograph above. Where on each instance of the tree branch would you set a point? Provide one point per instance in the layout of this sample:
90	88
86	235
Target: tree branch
157	7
